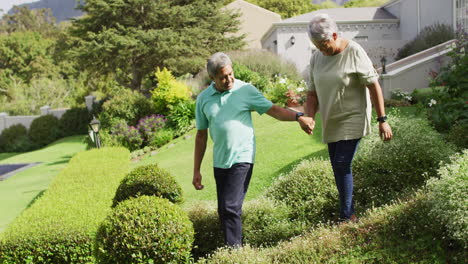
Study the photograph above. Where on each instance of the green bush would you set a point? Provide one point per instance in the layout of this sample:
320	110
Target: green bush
145	230
169	92
208	234
457	135
148	180
428	37
265	63
126	105
448	198
243	73
75	121
182	116
309	190
385	171
44	130
162	137
15	139
267	222
60	226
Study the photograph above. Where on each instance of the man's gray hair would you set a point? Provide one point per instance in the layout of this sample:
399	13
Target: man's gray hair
322	27
217	61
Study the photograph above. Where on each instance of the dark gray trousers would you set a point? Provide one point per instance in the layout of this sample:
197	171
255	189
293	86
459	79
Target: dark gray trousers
231	187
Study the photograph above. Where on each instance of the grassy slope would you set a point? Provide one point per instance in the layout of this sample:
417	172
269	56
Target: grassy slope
280	145
19	191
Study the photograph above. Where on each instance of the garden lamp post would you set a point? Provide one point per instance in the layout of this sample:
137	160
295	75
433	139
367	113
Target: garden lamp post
383	60
95	125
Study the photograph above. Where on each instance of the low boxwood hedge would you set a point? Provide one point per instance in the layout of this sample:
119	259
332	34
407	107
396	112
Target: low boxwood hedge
60	226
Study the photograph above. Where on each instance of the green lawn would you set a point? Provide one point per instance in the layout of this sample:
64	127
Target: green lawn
280	145
19	191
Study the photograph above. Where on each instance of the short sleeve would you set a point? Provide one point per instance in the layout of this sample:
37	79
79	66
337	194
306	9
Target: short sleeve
364	68
200	117
257	101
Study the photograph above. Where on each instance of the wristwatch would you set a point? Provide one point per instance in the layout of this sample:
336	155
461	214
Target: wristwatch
299	114
382	119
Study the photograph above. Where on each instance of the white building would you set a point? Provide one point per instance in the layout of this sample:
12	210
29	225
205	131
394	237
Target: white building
380	30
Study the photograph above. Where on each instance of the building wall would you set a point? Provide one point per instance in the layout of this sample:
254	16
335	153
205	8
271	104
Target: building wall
255	21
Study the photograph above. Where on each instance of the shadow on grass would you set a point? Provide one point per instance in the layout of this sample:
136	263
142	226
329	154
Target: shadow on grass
4	156
63	159
318	154
35	198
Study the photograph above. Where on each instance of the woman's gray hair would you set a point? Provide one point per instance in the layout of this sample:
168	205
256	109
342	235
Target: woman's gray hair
322	27
217	61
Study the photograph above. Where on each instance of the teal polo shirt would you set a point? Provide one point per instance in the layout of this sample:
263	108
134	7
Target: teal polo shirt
227	116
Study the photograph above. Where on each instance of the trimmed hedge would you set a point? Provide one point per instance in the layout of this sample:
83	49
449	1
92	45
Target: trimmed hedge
309	190
148	180
448	197
145	229
384	171
44	130
75	121
60	226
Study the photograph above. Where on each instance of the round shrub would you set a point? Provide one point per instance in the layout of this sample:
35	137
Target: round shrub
148	180
44	130
267	222
146	229
384	171
15	139
309	190
448	198
75	121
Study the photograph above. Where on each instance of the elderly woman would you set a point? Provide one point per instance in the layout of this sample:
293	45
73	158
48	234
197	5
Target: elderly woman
339	75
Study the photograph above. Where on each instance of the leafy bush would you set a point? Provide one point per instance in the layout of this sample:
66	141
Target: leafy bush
309	190
126	105
265	63
266	222
169	91
60	226
127	136
162	137
44	130
284	91
148	180
384	171
458	135
182	116
145	230
75	121
15	139
243	73
448	198
149	125
428	37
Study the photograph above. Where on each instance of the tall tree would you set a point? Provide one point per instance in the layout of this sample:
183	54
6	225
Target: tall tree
131	38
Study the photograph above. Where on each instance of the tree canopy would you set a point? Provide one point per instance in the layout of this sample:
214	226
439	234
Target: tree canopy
132	38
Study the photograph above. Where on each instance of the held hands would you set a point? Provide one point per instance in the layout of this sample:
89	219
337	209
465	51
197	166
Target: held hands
307	124
385	131
197	179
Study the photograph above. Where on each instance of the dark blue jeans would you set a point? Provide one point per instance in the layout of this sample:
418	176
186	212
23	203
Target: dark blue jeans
341	157
231	187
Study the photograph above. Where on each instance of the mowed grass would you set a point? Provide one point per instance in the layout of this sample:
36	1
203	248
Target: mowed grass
280	146
20	190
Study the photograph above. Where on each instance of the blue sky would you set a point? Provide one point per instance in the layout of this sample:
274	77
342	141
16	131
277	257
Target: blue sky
7	4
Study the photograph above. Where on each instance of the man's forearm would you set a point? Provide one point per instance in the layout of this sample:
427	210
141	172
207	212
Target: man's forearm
200	148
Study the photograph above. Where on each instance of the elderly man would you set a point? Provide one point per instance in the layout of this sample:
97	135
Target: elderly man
225	109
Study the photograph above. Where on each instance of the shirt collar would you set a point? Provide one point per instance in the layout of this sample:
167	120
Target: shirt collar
213	90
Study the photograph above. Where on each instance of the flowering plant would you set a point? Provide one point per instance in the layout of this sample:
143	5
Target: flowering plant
149	125
285	91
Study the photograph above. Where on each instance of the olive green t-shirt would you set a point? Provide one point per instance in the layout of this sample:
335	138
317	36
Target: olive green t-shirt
340	82
227	115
